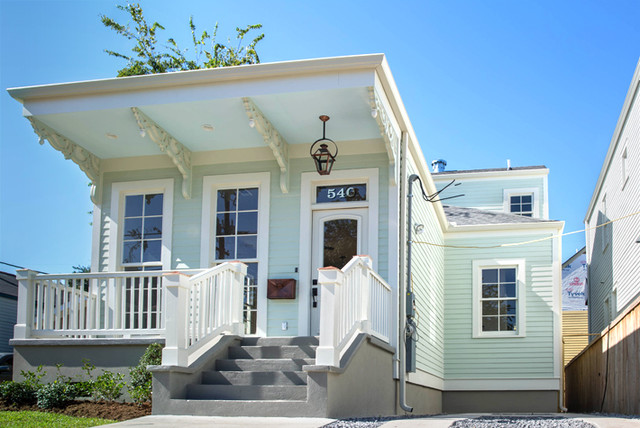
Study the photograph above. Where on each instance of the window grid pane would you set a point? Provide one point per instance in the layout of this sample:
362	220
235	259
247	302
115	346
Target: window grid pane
142	231
499	299
236	238
521	205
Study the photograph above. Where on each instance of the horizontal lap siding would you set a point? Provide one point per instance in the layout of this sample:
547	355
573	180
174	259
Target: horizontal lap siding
284	217
489	193
617	264
428	280
527	357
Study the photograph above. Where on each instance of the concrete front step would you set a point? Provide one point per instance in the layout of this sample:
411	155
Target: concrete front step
289	408
280	341
261	365
246	392
261	352
254	378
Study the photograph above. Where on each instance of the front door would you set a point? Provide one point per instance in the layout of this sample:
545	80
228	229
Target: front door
337	237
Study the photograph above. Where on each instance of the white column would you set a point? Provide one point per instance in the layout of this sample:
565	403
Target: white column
177	301
239	271
329	280
24	321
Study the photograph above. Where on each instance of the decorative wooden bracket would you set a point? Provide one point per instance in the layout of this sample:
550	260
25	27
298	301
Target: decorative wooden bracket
179	154
87	161
388	132
272	138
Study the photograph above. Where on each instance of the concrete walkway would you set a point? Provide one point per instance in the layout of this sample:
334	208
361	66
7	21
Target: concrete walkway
439	421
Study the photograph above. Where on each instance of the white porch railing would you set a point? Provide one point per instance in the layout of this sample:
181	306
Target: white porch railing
206	305
188	311
354	299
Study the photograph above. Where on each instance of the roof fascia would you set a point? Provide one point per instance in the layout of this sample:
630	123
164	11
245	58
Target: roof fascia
520	173
632	94
394	98
196	77
521	227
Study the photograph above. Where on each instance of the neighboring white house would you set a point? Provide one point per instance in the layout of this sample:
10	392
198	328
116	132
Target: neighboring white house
278	290
613	249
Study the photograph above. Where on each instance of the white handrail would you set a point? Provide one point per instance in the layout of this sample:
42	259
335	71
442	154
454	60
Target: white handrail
354	299
203	307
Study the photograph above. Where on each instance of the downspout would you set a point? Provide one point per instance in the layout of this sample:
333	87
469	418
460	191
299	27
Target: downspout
402	315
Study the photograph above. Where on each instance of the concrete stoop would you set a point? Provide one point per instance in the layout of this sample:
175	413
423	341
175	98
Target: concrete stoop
258	377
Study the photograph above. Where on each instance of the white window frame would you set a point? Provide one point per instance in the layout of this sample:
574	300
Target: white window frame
521	297
533	191
210	186
116	217
624	166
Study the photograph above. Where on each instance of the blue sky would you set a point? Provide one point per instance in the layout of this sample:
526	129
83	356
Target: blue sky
540	83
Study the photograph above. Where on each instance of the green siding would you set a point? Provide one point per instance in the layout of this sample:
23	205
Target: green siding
505	357
284	217
428	285
488	193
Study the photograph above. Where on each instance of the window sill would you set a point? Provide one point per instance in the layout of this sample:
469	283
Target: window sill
497	335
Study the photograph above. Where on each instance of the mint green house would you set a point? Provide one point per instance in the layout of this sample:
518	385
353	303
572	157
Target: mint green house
274	270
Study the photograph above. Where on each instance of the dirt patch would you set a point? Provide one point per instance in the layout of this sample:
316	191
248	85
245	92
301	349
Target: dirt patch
93	409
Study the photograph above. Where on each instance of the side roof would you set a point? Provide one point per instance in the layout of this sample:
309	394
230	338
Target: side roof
460	216
480	171
8	285
622	120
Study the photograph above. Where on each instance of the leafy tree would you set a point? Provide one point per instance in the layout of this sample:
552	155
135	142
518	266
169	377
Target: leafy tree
149	58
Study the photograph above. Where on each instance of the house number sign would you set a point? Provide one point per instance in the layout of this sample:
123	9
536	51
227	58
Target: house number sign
341	193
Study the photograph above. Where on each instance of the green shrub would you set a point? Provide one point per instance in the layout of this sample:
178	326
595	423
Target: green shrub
55	394
140	384
108	386
24	392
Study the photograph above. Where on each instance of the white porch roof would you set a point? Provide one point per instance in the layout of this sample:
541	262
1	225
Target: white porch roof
92	121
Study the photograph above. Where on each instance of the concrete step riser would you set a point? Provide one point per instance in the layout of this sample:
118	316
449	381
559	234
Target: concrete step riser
254	378
258	352
264	365
280	341
244	392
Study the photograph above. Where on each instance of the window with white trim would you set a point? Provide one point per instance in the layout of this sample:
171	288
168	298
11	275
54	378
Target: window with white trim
142	231
499	298
521	205
236	238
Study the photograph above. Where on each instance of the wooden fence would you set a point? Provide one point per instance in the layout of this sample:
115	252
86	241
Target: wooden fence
605	377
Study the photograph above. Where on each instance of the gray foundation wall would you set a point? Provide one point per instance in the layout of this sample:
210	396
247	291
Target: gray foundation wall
499	401
115	355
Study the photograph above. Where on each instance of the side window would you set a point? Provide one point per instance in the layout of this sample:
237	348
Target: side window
521	205
499	293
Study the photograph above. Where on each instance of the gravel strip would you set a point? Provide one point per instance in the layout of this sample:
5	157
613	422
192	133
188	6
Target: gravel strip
480	422
521	422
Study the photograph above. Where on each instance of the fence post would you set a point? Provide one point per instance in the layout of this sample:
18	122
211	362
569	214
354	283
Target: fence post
239	271
26	304
329	279
176	309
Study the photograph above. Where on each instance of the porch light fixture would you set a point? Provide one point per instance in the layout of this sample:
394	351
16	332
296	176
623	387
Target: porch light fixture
322	157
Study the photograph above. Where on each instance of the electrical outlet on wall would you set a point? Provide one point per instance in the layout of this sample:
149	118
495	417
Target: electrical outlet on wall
285	325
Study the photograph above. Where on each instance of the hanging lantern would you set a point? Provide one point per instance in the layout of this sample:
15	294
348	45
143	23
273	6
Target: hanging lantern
320	153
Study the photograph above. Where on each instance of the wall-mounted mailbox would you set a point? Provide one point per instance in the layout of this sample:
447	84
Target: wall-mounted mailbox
281	288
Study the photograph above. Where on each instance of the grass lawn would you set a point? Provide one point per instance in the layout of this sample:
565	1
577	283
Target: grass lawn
29	419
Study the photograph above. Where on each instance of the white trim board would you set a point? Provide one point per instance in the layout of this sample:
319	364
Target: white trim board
308	181
116	214
262	180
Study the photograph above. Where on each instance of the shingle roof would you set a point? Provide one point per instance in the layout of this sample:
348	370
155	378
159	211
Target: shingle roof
515	168
471	217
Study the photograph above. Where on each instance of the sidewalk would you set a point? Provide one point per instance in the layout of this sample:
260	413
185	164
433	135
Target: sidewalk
439	421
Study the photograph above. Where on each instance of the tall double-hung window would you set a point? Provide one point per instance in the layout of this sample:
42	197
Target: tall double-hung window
499	298
237	206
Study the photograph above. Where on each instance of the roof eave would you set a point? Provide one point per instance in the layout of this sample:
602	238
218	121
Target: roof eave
626	108
547	225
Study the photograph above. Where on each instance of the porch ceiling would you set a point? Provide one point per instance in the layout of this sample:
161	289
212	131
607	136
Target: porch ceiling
294	115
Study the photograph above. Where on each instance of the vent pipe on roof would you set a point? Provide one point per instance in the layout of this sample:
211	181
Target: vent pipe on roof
509	164
438	165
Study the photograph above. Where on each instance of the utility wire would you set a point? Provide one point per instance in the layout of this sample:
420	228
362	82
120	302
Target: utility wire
514	244
19	267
